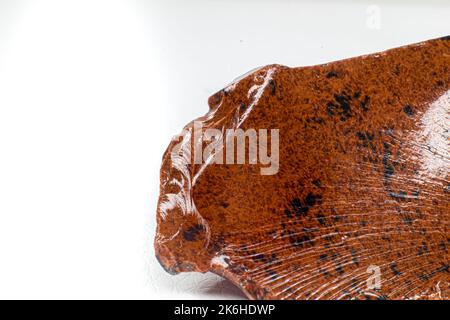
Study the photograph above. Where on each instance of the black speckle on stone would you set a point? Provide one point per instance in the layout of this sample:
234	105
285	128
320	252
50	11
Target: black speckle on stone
447	188
329	239
323	257
311	199
365	103
402	195
355	258
337	217
408	220
321	218
340	107
319	120
408	283
273	86
422	249
301	208
258	257
324	272
344	102
388	171
367	139
394	269
330	108
273	258
224	204
272	275
332	74
193	232
443	269
317	183
408	110
361	136
300	241
339	269
219	242
283	229
388	167
309	230
288	213
243	248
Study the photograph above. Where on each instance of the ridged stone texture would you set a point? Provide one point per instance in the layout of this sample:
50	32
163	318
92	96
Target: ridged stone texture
360	205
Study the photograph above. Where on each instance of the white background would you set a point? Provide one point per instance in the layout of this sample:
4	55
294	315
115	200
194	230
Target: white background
91	93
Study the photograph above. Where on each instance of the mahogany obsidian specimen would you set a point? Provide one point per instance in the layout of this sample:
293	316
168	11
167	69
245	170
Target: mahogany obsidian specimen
359	207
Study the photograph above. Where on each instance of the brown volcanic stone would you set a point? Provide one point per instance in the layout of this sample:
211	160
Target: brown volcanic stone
363	182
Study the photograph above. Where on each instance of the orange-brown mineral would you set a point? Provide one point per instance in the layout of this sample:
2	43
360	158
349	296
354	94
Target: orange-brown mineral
324	182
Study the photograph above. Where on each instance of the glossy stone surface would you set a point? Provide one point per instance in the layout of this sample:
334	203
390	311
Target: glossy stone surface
360	205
